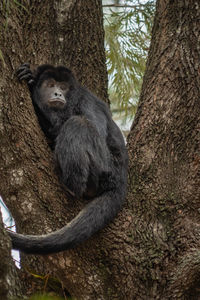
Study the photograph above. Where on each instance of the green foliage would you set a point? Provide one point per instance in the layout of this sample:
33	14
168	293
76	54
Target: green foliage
51	287
45	297
48	297
127	39
7	5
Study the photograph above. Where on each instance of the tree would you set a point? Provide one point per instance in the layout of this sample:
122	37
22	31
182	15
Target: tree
128	29
151	250
10	284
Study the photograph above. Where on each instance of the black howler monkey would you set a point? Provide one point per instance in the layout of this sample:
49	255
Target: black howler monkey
89	150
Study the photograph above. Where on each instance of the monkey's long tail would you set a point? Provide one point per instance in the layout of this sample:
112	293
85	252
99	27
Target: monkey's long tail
92	218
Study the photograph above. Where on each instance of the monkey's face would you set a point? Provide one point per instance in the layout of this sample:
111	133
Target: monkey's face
53	93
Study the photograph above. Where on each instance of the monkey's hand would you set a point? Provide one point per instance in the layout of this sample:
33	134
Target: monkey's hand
24	73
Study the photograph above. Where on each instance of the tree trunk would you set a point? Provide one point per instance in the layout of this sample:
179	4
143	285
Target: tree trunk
10	285
164	159
43	32
151	250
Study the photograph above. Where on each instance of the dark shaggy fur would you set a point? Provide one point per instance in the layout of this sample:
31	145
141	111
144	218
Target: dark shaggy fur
89	150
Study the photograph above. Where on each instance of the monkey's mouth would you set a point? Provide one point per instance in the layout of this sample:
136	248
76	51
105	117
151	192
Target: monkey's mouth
57	101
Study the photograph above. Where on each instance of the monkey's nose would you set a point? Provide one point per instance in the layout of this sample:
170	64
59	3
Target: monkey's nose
58	94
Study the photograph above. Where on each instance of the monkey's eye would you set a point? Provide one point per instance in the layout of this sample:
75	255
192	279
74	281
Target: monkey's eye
63	86
51	83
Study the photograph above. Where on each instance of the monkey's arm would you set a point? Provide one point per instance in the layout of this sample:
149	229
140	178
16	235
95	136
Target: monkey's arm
24	73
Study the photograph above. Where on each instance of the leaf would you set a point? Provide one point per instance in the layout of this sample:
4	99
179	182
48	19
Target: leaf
127	39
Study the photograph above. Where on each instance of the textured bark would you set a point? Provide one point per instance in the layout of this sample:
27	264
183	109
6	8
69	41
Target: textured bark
10	286
28	182
151	250
164	159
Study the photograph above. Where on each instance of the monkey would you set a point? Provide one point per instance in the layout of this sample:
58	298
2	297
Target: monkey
89	150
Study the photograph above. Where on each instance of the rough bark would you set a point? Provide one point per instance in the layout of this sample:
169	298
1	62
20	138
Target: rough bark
151	250
29	185
164	159
10	286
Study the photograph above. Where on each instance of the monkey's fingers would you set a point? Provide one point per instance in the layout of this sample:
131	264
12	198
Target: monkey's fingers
25	66
25	76
28	78
23	73
23	70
